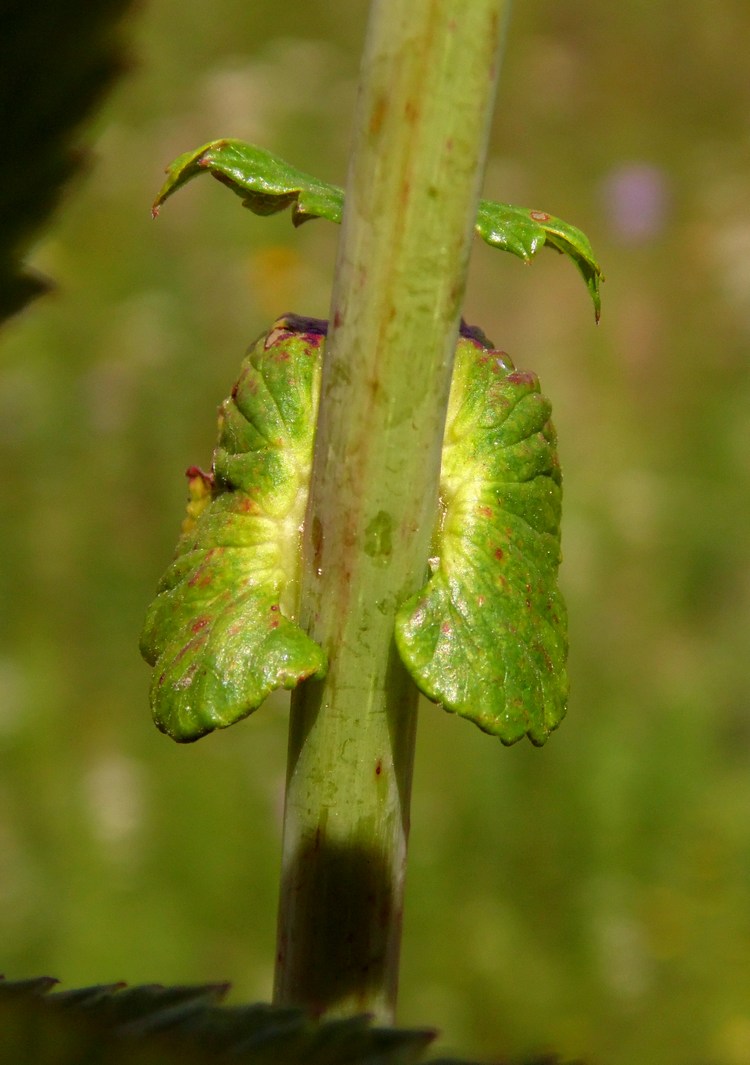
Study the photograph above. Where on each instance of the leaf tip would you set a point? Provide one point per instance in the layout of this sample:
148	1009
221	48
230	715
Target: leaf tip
596	294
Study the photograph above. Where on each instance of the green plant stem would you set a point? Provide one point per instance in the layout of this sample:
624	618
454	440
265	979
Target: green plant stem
426	95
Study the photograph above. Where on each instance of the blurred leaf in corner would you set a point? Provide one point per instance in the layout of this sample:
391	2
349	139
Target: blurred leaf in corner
60	56
154	1025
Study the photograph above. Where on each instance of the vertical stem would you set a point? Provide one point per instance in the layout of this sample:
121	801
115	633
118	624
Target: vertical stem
426	94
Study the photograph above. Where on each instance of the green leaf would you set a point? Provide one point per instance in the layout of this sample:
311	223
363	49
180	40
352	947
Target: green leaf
266	184
525	233
110	1025
221	632
486	636
113	1025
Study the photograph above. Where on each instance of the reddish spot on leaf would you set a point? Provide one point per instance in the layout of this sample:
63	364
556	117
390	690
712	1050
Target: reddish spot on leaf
195	473
541	650
378	768
499	554
523	377
182	652
486	512
446	628
540	216
200	623
246	382
200	578
314	340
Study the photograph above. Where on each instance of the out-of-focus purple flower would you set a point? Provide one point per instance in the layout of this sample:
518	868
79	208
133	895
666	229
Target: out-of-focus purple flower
636	200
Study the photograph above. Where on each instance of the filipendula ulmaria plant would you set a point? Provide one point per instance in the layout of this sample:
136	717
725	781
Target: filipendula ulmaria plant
427	84
485	637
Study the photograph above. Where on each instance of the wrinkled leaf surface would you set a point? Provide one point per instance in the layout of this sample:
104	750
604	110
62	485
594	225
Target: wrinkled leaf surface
486	637
221	632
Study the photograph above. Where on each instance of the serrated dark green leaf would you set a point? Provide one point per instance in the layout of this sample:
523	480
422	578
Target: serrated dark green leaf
152	1009
36	985
85	997
339	1041
266	184
185	1026
221	632
486	637
240	1028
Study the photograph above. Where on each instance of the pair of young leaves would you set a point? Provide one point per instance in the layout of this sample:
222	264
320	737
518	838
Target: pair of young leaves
485	636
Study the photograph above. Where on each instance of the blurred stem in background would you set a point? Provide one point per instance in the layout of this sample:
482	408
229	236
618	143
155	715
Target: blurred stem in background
427	90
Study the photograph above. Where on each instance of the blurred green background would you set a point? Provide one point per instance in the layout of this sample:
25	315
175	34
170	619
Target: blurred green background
592	896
